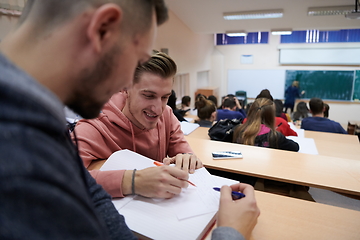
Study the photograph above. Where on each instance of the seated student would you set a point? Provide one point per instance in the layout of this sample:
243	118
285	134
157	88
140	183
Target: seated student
302	112
206	111
139	120
281	125
214	100
259	129
230	110
279	106
326	111
318	122
172	103
185	103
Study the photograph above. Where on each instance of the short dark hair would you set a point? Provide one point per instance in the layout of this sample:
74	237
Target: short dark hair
159	64
137	14
316	105
229	103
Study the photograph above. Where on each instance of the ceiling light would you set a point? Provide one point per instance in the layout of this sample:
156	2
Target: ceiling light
281	31
236	33
326	11
277	13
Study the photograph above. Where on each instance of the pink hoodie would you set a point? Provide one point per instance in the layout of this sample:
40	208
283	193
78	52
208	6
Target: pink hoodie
112	131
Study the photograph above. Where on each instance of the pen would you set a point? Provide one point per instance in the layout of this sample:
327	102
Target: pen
278	126
235	195
160	164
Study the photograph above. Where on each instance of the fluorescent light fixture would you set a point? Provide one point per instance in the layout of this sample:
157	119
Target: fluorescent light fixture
281	31
328	11
277	13
236	33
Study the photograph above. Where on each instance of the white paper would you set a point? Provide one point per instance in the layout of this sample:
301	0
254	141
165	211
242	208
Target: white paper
185	216
307	145
187	127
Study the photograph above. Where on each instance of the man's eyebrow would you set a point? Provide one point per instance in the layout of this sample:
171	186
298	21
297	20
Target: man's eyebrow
148	91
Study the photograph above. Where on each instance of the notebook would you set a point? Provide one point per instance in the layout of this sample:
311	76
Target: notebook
186	216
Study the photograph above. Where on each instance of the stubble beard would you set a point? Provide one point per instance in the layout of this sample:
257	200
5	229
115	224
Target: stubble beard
85	101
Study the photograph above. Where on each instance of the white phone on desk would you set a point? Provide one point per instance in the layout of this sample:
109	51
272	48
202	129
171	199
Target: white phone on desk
226	155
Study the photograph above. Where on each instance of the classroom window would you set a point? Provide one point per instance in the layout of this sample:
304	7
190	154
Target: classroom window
316	36
251	38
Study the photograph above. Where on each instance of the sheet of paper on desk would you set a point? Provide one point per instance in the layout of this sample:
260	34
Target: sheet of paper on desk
183	217
307	145
187	127
191	202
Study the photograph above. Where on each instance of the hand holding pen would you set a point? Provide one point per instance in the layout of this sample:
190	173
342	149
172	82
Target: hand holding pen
161	164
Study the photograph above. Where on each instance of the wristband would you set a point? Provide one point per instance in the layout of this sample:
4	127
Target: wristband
133	183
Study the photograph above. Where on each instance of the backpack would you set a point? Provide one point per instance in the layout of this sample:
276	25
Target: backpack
223	130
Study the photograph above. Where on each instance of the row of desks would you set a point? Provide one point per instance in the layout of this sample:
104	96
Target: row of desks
284	217
337	167
341	174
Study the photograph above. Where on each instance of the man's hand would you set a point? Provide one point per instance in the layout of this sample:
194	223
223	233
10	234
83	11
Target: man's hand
156	182
240	214
185	161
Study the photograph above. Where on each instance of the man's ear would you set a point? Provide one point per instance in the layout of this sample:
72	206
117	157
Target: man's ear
104	25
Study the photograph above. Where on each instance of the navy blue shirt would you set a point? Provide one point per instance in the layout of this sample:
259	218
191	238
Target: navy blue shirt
322	125
228	114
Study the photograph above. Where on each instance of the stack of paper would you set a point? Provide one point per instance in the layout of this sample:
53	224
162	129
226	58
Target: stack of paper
186	216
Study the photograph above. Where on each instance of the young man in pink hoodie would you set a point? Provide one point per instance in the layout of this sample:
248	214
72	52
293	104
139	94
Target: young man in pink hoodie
139	120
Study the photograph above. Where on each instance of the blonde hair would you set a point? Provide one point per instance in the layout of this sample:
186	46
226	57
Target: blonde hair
262	111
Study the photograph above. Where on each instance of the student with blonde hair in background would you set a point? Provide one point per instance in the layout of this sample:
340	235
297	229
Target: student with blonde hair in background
259	129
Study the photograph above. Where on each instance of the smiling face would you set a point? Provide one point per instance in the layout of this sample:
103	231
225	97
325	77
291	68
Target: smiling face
147	100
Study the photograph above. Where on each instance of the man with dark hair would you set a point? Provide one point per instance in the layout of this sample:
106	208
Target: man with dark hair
75	53
231	109
318	122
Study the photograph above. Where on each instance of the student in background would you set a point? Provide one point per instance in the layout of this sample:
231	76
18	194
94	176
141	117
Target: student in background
185	103
281	125
231	109
140	120
291	93
259	129
318	122
302	112
279	106
172	103
214	100
206	111
326	111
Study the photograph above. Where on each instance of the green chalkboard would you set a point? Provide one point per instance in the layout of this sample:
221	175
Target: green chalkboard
330	85
356	95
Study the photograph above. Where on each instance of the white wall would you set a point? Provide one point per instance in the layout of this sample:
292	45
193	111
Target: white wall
266	56
191	52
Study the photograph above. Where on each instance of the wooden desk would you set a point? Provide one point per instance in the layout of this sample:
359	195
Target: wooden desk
327	144
336	137
341	175
289	218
